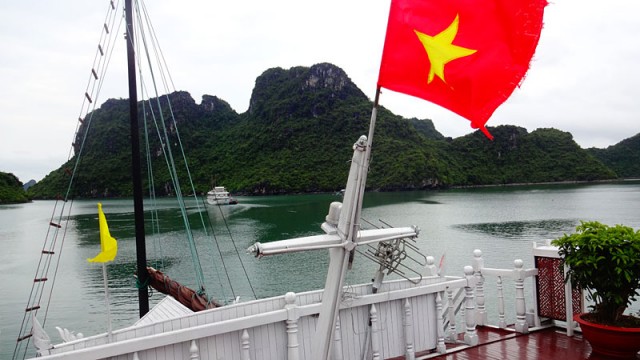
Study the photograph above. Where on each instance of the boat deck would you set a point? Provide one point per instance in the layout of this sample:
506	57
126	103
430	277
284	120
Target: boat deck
550	343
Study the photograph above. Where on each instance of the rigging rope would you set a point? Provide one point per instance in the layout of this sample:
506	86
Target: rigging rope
164	75
224	266
224	219
168	153
155	223
56	233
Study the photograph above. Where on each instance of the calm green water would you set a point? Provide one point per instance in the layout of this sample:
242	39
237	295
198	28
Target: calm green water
503	222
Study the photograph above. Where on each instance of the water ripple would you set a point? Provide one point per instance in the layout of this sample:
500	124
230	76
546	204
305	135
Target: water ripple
518	229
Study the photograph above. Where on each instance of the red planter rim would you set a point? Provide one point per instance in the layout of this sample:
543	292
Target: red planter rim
579	319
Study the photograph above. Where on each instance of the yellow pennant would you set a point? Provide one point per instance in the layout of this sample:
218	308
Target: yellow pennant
108	245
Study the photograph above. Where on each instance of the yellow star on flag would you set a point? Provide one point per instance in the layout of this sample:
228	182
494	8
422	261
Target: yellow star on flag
440	49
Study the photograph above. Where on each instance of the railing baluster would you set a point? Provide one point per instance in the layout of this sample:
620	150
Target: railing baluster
375	331
410	353
440	347
245	345
521	309
501	319
293	345
470	335
478	264
452	333
194	352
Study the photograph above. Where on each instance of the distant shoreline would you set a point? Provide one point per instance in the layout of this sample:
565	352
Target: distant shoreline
574	182
567	182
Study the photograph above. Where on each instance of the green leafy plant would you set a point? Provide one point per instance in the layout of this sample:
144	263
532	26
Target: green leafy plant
605	261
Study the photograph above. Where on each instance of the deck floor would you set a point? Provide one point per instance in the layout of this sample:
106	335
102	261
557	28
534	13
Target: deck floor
551	343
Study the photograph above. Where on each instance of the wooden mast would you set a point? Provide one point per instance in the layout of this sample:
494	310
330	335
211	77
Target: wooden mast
143	293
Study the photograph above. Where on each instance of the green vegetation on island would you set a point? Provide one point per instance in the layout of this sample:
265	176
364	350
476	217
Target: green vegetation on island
623	157
297	135
11	191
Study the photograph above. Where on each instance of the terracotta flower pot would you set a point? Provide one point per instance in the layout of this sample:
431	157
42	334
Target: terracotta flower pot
611	341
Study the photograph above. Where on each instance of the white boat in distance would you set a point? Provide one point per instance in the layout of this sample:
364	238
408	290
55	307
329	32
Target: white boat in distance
220	196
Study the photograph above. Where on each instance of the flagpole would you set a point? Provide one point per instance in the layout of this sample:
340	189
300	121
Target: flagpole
340	259
363	177
372	125
106	297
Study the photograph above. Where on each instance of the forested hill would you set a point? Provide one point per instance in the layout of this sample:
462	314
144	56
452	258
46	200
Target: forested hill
11	190
297	136
623	157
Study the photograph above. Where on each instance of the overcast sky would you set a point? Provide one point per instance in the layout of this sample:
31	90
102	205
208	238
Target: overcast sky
584	78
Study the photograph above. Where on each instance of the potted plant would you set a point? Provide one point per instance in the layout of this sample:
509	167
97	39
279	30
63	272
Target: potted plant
605	262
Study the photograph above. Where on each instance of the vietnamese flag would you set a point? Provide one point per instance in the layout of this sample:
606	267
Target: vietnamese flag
465	55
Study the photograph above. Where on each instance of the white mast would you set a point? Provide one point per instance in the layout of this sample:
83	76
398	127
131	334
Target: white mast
343	234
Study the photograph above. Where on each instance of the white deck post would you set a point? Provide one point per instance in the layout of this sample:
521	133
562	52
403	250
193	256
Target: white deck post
293	347
568	302
521	309
478	264
534	284
375	331
502	324
470	335
431	269
245	345
337	341
440	347
408	331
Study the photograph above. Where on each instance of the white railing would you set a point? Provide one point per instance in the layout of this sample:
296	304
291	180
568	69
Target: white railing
517	275
401	319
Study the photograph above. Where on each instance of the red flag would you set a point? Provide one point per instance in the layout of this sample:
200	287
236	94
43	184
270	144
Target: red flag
465	55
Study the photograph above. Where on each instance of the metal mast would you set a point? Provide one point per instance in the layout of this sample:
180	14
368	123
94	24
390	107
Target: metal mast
143	293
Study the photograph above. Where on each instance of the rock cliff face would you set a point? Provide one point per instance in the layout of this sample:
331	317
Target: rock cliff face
213	104
326	76
28	184
316	87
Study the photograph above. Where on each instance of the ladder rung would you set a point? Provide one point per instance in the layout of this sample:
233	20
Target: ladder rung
95	75
55	225
47	252
80	119
106	28
100	49
24	337
32	308
88	98
40	280
112	5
